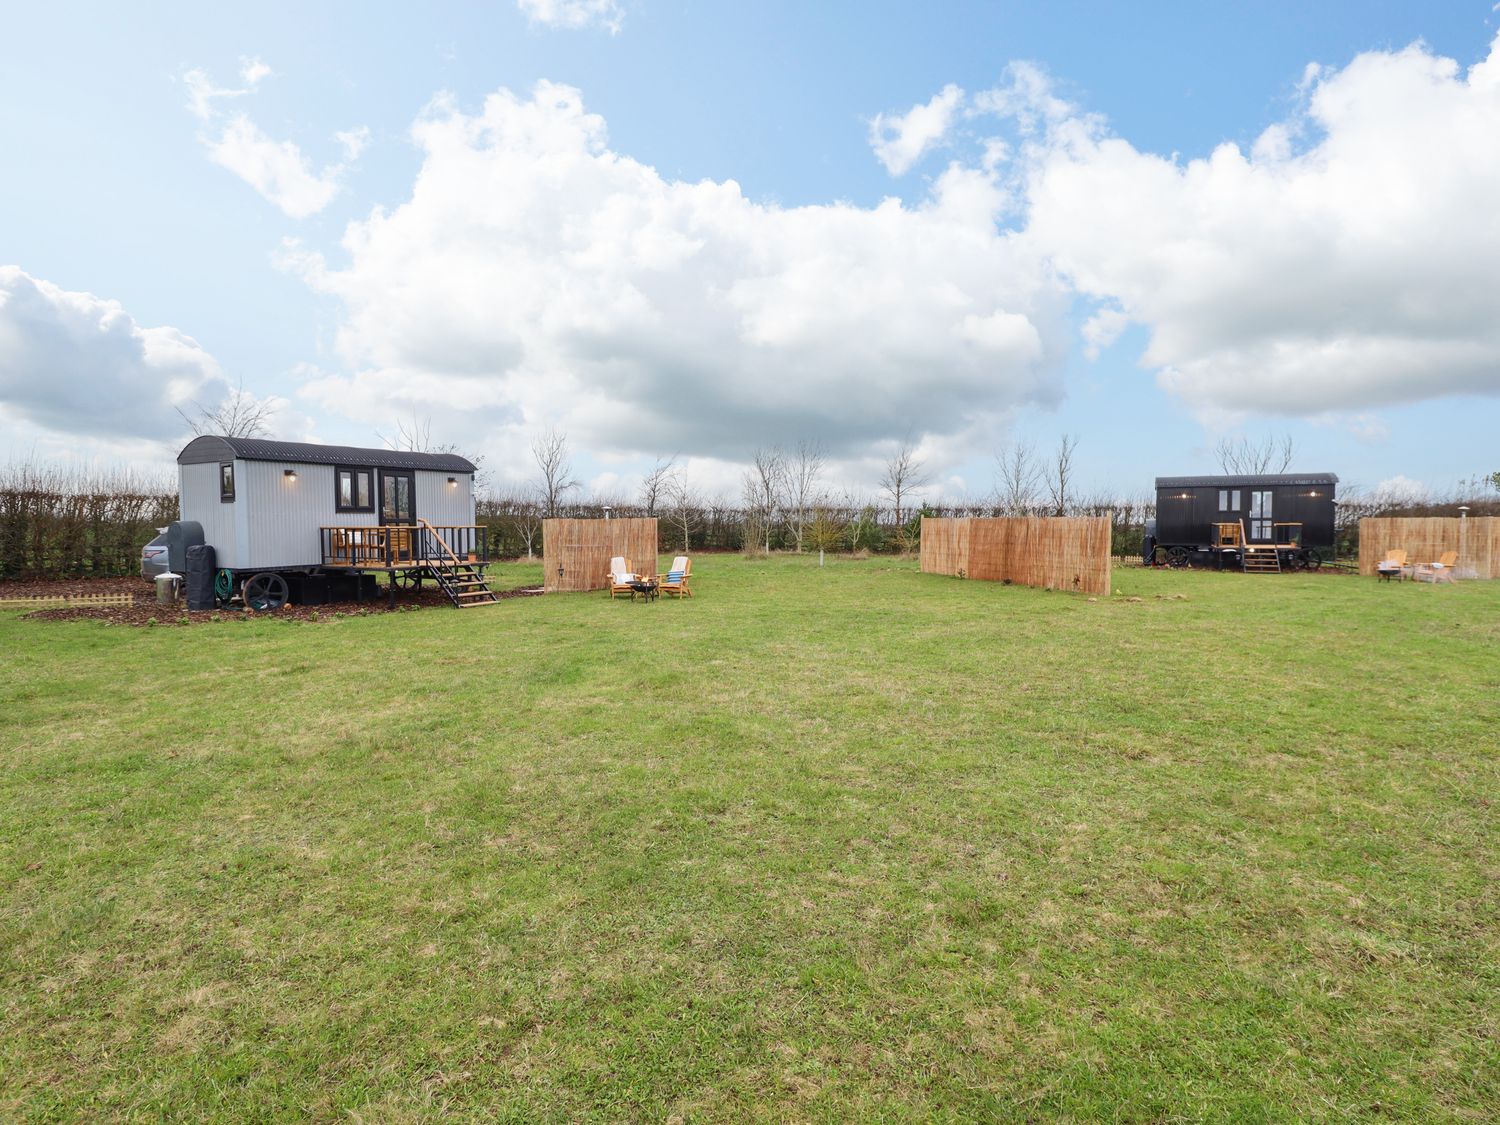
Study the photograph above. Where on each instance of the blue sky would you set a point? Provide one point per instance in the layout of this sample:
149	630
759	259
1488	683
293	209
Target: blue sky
121	207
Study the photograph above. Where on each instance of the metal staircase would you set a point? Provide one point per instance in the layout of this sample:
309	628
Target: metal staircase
462	581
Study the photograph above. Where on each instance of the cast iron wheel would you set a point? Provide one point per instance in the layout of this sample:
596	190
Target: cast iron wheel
404	580
264	592
1177	557
1311	560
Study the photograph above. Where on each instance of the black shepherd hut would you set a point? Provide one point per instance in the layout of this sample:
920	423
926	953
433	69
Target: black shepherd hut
1268	522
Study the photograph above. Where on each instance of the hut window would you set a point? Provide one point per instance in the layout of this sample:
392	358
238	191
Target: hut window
226	482
1229	500
353	491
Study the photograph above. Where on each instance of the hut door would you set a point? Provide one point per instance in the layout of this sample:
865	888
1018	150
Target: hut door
398	491
398	497
1260	517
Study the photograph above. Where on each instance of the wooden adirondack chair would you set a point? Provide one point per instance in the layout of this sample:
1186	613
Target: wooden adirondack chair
620	576
1440	571
1392	565
675	581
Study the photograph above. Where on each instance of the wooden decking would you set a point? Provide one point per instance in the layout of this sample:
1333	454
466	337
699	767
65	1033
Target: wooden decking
453	555
403	547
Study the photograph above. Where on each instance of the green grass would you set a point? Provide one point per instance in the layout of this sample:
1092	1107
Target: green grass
829	845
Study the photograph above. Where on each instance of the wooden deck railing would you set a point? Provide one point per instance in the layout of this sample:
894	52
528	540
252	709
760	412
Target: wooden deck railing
398	546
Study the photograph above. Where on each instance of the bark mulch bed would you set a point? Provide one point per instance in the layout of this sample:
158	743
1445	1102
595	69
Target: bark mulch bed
146	612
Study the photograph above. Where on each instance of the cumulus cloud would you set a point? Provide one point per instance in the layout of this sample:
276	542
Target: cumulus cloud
536	276
1346	261
900	140
278	170
574	14
78	364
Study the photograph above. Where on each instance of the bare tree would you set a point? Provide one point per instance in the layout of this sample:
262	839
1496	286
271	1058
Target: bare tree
528	521
762	488
903	474
241	414
551	452
1020	476
414	435
684	504
655	483
1242	457
803	468
1059	475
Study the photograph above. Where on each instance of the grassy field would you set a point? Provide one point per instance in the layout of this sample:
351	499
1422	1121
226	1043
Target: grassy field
829	845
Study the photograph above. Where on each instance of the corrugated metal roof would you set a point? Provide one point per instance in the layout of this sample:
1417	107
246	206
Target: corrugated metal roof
1242	481
207	448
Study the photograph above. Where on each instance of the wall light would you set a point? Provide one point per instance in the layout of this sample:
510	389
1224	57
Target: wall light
452	480
290	474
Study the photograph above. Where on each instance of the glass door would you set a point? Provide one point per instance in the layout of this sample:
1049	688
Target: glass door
398	491
1260	517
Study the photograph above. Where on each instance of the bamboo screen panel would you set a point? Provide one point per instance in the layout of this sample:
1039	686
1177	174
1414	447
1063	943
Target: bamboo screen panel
583	548
1424	539
944	546
1054	553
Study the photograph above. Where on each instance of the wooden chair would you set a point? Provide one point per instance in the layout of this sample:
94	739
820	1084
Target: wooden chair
621	576
1393	565
1440	571
675	581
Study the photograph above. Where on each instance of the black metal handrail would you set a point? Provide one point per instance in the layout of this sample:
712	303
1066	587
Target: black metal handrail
387	546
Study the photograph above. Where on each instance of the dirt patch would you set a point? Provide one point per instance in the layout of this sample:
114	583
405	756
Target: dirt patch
145	611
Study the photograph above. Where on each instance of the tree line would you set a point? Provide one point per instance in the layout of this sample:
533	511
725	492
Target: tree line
70	521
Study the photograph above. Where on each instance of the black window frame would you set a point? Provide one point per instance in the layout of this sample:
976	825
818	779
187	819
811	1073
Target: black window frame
354	471
226	497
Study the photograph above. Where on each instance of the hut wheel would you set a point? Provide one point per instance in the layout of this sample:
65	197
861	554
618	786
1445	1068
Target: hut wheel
1177	557
404	580
265	591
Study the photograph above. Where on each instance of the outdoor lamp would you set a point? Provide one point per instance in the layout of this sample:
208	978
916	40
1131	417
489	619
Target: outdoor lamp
289	474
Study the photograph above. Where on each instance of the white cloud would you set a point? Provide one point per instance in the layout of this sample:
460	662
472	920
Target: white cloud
1102	329
1400	490
354	142
537	277
900	140
278	170
574	14
1348	271
78	364
253	70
